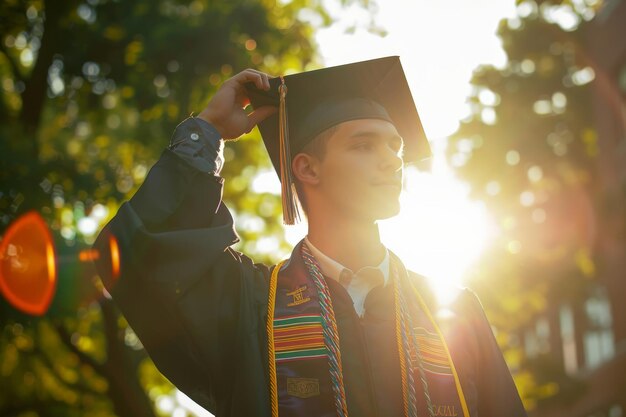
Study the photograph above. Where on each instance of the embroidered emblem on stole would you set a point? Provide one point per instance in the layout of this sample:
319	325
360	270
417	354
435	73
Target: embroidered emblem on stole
303	387
445	411
298	297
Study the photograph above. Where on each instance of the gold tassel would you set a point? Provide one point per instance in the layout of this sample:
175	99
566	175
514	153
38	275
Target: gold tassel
291	214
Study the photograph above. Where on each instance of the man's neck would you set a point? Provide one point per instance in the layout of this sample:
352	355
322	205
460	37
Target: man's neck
353	243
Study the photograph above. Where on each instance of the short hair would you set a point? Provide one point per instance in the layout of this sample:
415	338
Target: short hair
316	148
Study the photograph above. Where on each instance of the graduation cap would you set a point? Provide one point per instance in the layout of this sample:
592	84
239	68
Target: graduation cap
313	101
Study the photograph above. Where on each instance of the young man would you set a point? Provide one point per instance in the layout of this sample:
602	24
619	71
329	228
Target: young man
341	328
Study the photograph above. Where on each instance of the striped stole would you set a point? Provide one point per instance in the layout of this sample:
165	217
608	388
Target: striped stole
305	362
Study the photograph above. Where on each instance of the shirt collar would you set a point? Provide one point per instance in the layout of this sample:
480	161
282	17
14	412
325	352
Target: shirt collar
333	269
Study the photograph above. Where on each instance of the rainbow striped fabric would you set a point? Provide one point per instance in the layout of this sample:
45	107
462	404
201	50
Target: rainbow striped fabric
433	352
299	337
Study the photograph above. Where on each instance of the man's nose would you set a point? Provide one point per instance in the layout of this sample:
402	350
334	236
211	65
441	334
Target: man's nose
391	159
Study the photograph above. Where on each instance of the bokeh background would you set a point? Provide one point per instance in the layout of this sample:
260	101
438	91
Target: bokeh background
524	201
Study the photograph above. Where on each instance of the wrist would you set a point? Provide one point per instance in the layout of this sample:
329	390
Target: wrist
212	119
198	142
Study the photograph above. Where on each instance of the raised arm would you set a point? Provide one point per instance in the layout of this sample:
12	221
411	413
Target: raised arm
164	201
165	256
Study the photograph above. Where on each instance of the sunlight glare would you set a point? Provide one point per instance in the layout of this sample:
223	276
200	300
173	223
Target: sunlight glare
440	232
190	405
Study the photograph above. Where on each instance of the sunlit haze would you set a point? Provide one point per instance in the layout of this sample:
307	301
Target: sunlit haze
440	232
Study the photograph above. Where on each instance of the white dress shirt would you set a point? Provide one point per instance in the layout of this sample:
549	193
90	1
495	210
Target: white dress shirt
358	284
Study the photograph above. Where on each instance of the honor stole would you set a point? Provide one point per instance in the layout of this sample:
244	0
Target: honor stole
305	360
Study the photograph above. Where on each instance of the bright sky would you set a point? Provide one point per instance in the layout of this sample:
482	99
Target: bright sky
439	42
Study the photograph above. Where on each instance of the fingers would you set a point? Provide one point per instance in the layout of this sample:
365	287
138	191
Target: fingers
260	114
266	80
260	79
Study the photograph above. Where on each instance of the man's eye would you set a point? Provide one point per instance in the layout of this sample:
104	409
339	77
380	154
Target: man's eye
364	146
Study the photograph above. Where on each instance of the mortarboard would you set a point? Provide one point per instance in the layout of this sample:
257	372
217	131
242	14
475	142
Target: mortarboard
313	101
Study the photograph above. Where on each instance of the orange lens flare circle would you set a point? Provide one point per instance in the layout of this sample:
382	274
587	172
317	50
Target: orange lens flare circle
115	257
28	269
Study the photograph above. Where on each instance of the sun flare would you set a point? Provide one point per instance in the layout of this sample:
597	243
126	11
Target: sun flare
440	231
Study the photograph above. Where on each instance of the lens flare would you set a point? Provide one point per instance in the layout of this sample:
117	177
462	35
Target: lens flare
115	257
28	270
88	255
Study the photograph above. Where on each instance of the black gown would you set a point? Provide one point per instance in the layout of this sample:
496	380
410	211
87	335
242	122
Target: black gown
200	308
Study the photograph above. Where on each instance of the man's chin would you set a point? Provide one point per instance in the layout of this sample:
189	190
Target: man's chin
387	211
369	210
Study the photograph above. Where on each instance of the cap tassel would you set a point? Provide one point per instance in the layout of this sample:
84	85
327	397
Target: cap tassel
291	214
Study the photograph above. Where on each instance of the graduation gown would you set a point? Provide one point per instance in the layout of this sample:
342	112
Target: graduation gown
200	309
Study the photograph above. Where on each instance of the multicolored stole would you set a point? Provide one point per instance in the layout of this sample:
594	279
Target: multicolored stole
305	361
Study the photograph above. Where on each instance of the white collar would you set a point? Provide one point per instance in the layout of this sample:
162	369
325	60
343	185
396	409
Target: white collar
333	269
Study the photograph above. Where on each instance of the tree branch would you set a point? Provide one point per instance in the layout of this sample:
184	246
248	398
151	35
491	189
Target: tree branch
14	67
65	337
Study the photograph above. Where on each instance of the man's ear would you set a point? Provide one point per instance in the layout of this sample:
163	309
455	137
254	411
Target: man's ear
305	168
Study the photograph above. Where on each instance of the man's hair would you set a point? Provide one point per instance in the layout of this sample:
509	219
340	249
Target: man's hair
316	148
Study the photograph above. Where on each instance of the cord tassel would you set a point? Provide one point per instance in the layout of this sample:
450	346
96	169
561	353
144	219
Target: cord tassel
291	214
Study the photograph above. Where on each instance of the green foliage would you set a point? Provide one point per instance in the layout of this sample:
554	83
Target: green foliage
528	150
90	92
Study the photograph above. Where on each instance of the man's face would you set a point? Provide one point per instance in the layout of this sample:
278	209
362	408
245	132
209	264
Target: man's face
361	171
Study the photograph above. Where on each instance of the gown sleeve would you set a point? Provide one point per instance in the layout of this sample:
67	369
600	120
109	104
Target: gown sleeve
166	260
496	392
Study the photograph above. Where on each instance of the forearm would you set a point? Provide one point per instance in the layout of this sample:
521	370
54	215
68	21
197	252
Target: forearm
183	189
164	258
